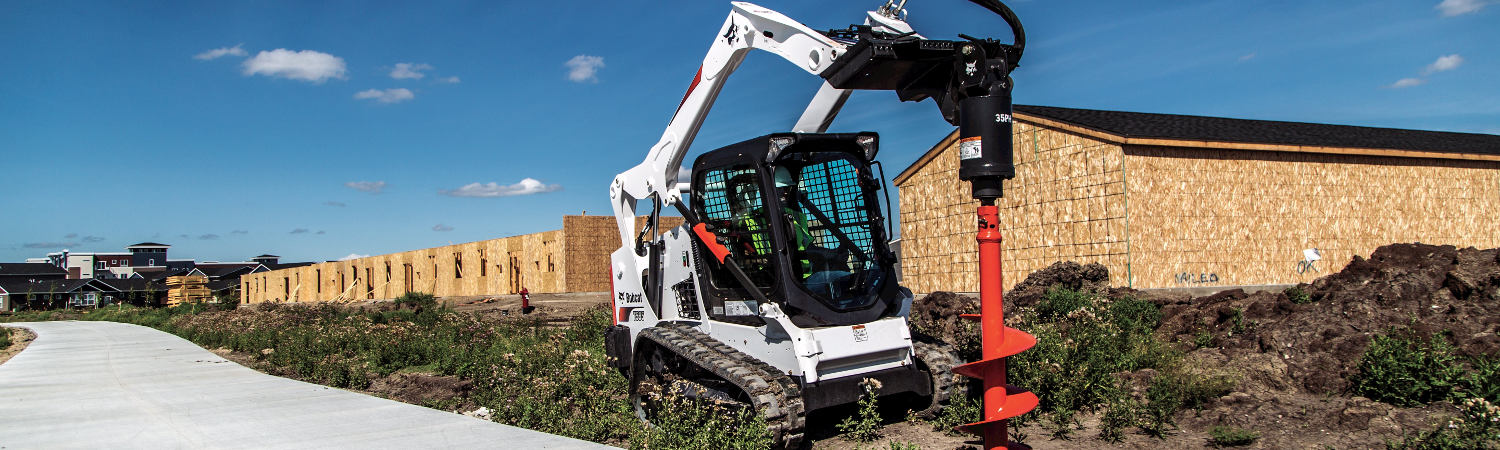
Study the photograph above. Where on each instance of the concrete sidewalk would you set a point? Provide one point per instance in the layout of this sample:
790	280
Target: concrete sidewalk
106	384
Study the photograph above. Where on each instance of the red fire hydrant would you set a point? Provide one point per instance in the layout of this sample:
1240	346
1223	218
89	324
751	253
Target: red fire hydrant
525	301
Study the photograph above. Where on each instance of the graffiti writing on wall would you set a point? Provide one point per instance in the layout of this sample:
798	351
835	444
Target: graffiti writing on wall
1309	256
1197	278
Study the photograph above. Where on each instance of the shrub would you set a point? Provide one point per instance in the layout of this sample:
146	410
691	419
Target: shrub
417	301
692	425
1226	436
865	425
1484	381
1084	343
1297	295
1403	368
4	338
961	410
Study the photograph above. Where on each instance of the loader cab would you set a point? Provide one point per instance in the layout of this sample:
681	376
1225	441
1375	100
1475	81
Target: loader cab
801	214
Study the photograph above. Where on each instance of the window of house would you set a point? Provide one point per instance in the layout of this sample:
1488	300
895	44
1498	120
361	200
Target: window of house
483	263
549	263
319	274
101	265
458	265
151	262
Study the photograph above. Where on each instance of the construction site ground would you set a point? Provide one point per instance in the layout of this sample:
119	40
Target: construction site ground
1291	359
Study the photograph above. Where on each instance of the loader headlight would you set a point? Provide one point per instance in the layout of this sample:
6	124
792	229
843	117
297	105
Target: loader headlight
870	143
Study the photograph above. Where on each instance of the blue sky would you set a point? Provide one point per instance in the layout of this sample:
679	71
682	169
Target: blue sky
315	130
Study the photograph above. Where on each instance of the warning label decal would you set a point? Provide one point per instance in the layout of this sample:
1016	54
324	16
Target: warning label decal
968	148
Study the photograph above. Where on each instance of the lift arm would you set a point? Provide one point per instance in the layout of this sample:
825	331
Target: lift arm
748	27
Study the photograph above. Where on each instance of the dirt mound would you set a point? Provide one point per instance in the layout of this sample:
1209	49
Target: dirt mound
445	392
1093	277
1432	289
934	318
1293	352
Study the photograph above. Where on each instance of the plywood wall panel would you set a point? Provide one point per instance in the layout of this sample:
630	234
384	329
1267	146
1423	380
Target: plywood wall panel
539	262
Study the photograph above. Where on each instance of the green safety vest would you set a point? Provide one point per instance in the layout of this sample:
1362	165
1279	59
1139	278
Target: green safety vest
762	245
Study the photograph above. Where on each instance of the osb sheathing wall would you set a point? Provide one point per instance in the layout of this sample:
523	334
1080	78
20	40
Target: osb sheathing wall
590	240
1204	217
1162	217
538	262
1067	202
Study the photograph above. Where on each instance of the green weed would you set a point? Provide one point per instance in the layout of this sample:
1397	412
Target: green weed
1226	436
1297	295
1403	368
688	424
961	410
1476	427
1084	342
864	426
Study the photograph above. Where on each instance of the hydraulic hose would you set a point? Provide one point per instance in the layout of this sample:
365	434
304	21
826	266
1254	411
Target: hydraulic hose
1010	19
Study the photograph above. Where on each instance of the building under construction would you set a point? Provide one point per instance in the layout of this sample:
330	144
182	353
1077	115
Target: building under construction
572	259
1187	201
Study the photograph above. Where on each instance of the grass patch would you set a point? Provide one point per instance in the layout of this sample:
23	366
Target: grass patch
1226	436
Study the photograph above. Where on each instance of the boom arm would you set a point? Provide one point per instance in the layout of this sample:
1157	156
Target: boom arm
747	27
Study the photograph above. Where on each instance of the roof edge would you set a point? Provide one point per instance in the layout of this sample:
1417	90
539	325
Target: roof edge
1118	139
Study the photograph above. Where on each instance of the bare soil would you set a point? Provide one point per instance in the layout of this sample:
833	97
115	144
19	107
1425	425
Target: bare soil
19	339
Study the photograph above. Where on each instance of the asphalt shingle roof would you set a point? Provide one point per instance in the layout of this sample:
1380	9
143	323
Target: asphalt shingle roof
31	269
1201	128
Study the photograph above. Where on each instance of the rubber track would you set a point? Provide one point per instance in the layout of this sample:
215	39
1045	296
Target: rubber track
775	395
940	360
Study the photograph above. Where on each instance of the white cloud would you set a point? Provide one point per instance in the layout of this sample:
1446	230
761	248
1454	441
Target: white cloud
584	68
412	71
353	256
441	227
334	204
1407	82
373	187
1447	62
305	65
1452	8
299	231
449	80
525	187
396	95
220	52
1247	57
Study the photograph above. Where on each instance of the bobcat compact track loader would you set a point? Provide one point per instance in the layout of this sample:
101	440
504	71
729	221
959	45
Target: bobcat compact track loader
779	293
